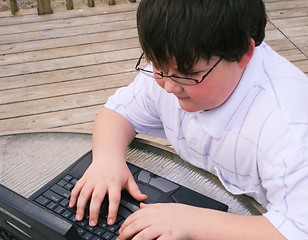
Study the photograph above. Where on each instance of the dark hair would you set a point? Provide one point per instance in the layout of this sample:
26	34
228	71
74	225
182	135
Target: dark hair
189	29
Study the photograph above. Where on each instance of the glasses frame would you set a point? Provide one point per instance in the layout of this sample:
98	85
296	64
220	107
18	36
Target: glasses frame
190	81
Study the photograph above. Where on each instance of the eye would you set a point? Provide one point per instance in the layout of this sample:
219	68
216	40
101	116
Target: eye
191	75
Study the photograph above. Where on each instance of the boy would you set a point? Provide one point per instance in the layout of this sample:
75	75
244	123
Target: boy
227	103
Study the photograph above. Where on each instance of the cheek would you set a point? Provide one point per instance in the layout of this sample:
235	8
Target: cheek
160	82
213	92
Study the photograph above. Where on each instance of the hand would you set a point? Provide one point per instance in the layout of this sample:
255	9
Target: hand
98	181
161	221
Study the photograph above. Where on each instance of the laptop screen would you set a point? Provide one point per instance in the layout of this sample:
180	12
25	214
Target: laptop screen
25	220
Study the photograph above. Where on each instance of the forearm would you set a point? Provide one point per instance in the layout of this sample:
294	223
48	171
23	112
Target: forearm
112	133
221	225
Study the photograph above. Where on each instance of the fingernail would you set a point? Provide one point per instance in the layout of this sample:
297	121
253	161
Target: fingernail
110	221
92	223
78	217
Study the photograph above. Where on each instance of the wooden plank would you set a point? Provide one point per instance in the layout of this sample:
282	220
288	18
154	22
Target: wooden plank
63	32
55	104
293	55
273	34
291	22
65	75
298	31
280	44
68	41
68	62
50	120
85	127
302	43
14	96
288	13
50	25
69	51
285	5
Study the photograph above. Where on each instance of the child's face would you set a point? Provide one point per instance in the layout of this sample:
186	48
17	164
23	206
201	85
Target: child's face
209	94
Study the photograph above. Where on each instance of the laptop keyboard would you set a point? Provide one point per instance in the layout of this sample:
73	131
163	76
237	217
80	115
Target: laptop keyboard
56	199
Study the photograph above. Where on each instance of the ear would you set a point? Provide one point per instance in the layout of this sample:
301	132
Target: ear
248	55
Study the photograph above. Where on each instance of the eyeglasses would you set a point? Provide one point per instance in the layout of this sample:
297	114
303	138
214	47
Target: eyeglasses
177	79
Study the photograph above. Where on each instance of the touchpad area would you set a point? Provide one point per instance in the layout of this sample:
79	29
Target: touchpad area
153	194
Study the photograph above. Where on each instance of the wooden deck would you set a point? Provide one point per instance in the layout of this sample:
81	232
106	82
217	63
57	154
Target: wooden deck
57	70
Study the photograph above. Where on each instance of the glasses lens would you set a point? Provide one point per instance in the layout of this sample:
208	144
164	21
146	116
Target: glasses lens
184	81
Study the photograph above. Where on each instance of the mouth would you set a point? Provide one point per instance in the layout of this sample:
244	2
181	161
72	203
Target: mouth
182	98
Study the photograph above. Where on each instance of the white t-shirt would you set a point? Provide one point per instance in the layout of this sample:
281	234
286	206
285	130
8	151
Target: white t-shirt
256	142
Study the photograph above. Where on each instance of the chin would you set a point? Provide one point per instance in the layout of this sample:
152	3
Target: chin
191	107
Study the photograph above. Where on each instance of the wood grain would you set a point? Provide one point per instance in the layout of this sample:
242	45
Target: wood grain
57	70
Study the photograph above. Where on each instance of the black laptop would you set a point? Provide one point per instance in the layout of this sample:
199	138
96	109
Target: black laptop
46	215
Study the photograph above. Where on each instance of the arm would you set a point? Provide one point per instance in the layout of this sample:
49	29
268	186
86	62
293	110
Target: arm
108	172
178	221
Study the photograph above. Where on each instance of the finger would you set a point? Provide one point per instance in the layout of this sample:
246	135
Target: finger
144	205
148	233
132	227
95	205
134	190
82	201
114	195
131	219
75	193
162	238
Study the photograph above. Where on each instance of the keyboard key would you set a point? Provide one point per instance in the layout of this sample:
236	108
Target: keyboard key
67	178
96	238
62	183
64	202
87	236
42	200
82	223
103	224
119	218
67	214
113	228
90	229
53	196
51	205
74	181
73	218
121	222
59	209
81	231
69	186
108	235
132	207
124	212
61	191
99	231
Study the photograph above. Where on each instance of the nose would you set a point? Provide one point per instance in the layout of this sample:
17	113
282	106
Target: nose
171	86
